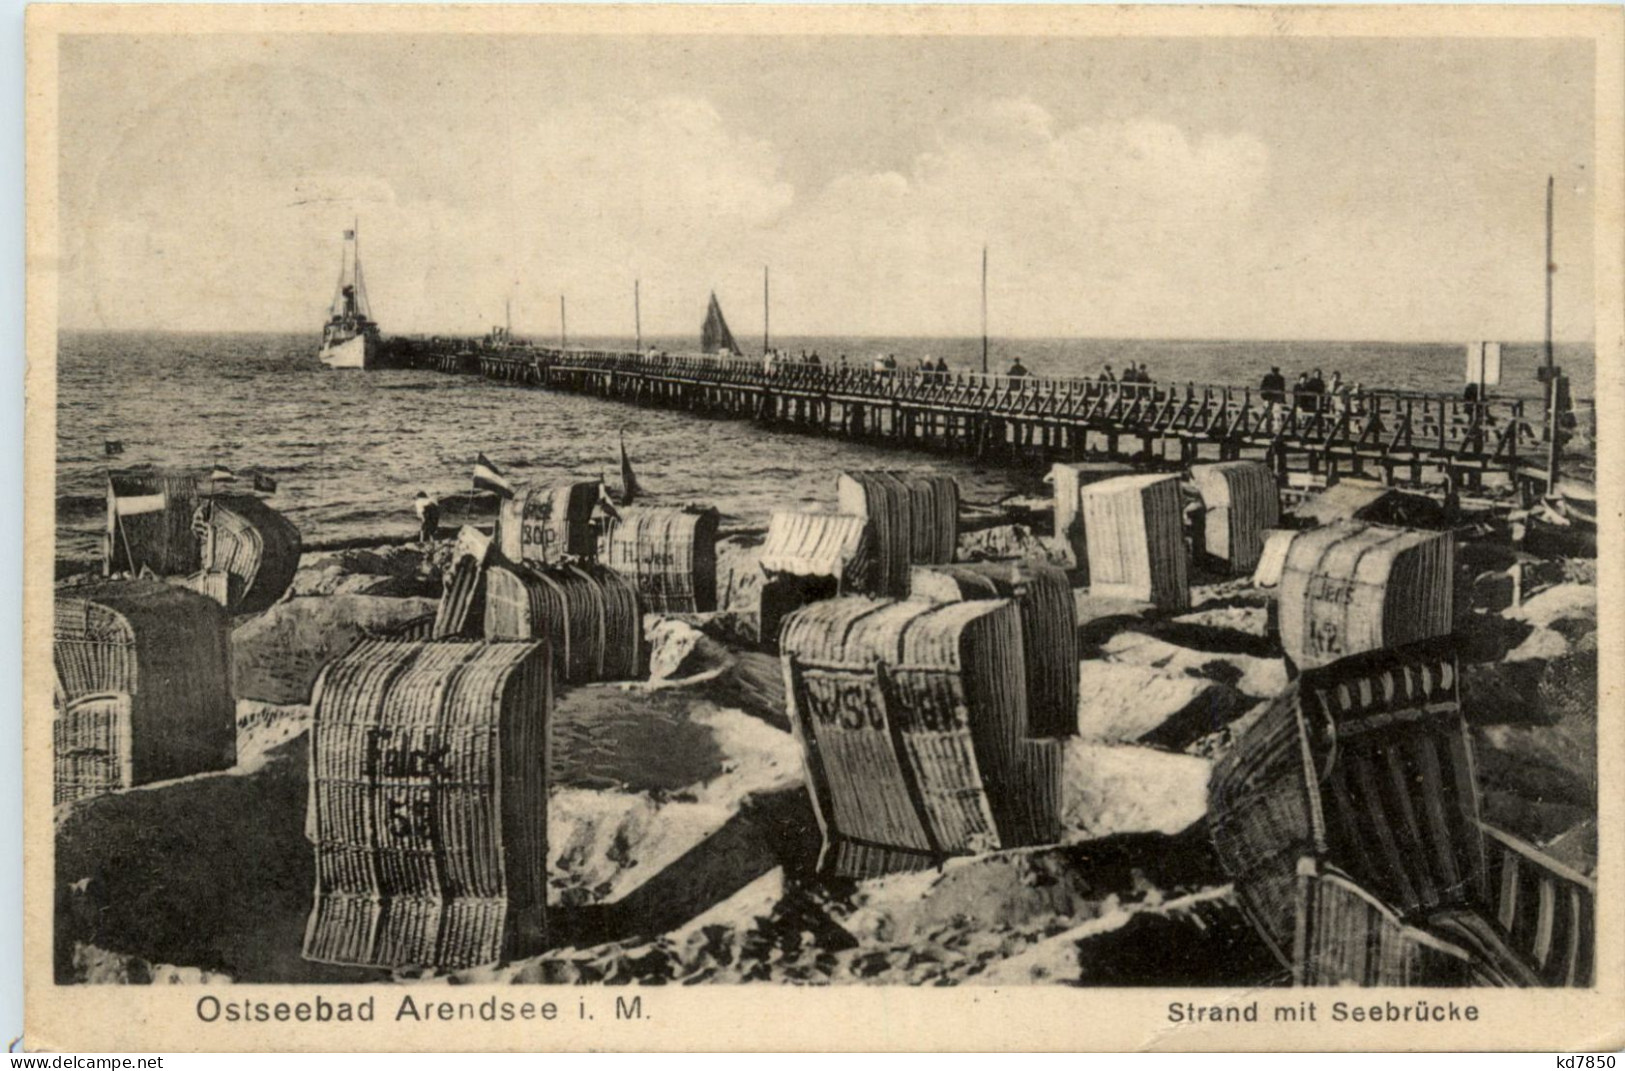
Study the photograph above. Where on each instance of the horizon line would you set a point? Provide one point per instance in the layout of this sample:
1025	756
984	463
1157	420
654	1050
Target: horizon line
544	340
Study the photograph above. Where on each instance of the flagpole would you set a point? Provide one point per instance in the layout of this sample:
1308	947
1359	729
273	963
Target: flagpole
637	313
984	309
1550	269
1554	446
564	335
765	320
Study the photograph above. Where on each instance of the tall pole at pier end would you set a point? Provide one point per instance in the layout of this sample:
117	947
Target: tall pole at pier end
637	314
1554	446
984	310
1551	269
765	350
564	335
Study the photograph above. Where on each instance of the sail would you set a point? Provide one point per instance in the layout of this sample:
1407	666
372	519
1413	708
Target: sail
714	335
629	481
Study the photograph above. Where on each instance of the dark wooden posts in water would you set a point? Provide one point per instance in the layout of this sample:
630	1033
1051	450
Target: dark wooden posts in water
1396	436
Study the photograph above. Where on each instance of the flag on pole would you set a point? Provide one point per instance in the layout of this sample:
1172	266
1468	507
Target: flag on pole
487	477
264	483
349	235
629	482
221	474
114	447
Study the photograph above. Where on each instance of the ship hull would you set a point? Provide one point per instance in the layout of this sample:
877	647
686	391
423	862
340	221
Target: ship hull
359	351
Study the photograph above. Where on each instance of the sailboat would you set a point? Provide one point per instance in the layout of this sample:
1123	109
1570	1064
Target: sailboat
714	334
350	338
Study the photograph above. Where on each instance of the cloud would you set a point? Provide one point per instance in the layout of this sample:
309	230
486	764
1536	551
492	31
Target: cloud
222	206
1091	227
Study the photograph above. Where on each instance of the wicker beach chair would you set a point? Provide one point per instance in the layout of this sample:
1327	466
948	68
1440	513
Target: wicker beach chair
912	718
669	554
1348	816
427	806
143	687
807	557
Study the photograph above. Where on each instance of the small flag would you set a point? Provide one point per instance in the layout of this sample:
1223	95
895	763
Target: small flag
349	235
114	447
629	482
487	477
264	483
221	474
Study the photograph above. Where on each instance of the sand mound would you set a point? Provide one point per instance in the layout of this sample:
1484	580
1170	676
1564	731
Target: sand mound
276	656
1260	678
385	570
678	650
1126	703
264	727
1198	939
1008	541
98	966
1564	602
1110	789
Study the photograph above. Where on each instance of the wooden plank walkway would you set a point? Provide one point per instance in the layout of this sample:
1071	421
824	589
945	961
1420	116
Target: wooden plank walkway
1400	437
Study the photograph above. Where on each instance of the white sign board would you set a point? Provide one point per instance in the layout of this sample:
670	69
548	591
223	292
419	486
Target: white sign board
1484	363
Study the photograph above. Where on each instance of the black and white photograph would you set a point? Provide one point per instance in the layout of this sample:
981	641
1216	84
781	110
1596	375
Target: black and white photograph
915	503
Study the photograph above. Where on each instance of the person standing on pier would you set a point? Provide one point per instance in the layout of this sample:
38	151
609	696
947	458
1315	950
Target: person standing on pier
428	511
1338	393
1301	395
1273	386
1017	369
1316	389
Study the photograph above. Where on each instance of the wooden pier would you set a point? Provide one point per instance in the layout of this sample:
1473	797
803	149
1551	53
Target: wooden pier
1400	437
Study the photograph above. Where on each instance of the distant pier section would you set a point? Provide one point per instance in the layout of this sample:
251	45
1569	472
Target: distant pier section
1400	437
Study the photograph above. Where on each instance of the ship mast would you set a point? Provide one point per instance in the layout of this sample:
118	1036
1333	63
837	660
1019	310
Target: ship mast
363	308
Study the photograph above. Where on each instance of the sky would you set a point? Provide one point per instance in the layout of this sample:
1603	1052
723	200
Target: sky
1148	188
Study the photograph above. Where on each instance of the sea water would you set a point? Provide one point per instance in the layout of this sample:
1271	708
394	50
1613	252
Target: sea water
349	449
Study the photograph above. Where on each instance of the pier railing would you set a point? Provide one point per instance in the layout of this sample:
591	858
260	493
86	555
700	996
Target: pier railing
1400	436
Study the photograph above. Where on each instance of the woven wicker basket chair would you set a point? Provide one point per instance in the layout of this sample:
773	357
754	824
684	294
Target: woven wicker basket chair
462	604
255	547
670	554
143	687
1049	628
913	519
428	804
912	718
1348	816
807	557
588	614
149	523
1240	502
547	525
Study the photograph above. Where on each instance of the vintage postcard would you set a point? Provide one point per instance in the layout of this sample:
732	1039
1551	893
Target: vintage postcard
680	527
